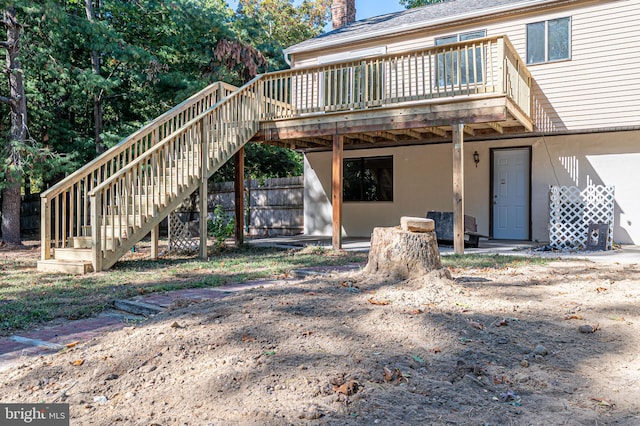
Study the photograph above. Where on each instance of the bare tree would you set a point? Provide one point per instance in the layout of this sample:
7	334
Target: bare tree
11	154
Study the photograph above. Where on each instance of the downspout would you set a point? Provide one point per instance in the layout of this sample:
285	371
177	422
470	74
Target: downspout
287	59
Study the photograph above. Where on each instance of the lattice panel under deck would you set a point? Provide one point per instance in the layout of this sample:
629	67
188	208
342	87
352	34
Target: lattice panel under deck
572	211
180	238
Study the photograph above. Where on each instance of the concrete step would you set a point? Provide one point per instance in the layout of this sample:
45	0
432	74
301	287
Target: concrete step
64	266
73	254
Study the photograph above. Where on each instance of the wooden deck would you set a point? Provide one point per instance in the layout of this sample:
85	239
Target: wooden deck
413	97
476	89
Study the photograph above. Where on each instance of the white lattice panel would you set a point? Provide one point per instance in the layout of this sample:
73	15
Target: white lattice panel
572	211
180	238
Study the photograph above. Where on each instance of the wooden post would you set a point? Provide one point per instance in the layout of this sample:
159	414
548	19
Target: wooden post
45	228
204	187
96	232
458	188
155	236
336	191
238	187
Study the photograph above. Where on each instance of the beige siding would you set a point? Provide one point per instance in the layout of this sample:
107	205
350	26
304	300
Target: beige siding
423	181
597	88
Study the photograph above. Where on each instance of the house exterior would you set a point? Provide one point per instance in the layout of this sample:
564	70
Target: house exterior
470	106
579	57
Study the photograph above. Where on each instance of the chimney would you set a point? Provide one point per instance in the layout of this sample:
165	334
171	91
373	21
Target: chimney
343	12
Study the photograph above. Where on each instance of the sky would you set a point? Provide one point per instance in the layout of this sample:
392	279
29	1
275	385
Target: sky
364	8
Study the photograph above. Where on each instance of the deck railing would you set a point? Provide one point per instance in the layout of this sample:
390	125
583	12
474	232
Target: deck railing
65	212
131	201
482	66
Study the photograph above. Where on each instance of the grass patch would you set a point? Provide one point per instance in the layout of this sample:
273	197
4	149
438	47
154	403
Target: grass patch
28	297
493	261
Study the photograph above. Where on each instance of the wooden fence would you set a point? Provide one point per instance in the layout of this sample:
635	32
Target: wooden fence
272	207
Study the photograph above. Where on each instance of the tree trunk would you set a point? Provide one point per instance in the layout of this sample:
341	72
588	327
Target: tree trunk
403	254
97	98
18	104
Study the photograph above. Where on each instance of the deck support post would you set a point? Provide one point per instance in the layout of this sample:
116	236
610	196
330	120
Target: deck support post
458	188
155	237
238	186
203	190
336	191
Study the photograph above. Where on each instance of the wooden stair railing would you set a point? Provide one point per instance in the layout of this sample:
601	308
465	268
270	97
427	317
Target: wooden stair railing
131	202
65	212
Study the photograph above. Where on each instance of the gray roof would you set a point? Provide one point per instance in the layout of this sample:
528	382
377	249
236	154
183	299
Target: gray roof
420	17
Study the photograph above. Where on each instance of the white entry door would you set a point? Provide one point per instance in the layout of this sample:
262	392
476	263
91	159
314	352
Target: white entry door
511	183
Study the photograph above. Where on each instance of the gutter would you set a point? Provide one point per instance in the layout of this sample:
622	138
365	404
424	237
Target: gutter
419	25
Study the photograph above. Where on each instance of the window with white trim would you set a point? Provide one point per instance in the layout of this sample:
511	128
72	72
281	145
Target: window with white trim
549	41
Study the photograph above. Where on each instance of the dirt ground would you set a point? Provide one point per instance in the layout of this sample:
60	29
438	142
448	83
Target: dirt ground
540	345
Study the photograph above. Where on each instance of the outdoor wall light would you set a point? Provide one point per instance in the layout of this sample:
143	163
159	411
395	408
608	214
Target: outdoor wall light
476	158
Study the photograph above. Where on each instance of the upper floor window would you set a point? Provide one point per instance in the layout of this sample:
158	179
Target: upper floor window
454	67
549	41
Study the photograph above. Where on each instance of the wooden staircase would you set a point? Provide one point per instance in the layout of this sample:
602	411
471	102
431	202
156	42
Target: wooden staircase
93	217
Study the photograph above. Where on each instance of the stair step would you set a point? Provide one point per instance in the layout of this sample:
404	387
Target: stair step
65	266
85	243
73	254
127	220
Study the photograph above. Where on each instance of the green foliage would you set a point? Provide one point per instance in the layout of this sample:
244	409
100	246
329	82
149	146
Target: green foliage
153	54
264	162
409	4
221	227
272	25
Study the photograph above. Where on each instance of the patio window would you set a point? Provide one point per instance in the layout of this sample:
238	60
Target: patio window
548	41
368	179
460	66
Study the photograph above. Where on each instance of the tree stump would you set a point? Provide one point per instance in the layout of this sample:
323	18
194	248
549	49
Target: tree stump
403	254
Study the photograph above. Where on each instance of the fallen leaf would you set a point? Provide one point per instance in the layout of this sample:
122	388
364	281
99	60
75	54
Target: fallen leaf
378	302
307	333
502	323
615	318
247	338
601	289
77	362
603	402
388	374
476	325
572	317
349	388
72	344
436	350
416	312
500	380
